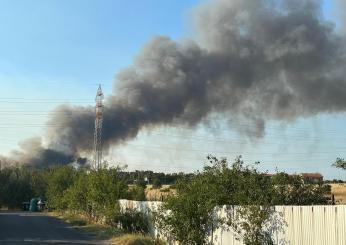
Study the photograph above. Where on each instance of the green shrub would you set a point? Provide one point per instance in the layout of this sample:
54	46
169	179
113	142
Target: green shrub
141	183
137	193
157	183
134	221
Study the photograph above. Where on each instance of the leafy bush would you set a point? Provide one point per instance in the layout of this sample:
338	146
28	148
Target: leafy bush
134	221
137	193
104	190
15	187
59	180
93	193
255	224
141	183
157	183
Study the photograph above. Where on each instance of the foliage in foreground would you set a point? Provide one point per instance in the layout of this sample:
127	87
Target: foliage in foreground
94	194
255	225
189	216
133	221
18	184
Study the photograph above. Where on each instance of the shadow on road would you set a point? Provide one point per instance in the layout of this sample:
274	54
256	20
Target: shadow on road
37	228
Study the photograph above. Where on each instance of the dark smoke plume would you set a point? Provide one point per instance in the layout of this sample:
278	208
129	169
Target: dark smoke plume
251	60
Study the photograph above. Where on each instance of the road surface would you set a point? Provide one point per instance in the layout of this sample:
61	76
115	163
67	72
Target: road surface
24	228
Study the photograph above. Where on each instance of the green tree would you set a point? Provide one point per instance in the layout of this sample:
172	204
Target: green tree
294	190
39	182
157	183
137	193
76	196
189	215
340	163
15	186
255	225
59	179
105	188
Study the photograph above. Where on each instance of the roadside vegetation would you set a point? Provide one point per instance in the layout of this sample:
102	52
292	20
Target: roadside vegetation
88	200
105	232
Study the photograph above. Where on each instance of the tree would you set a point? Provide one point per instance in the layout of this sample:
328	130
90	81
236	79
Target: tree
15	186
39	182
136	193
340	163
59	179
157	183
294	190
255	224
189	215
190	212
141	183
105	188
76	196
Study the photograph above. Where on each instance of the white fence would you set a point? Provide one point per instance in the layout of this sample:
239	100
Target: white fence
306	225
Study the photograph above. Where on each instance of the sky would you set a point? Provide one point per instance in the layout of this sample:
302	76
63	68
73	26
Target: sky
54	52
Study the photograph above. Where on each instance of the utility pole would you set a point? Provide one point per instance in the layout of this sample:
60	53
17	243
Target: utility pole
98	129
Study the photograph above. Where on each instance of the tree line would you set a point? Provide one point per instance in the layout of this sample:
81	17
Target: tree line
21	183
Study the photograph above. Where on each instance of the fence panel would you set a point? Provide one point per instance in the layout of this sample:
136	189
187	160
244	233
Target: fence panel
306	225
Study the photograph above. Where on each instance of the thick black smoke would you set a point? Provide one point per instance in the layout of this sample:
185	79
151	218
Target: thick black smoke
251	60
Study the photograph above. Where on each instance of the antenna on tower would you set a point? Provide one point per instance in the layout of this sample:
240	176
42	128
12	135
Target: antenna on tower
98	129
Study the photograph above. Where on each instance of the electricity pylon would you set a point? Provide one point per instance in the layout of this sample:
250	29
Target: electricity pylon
98	129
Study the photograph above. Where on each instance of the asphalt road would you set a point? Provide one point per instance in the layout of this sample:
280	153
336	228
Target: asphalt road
17	228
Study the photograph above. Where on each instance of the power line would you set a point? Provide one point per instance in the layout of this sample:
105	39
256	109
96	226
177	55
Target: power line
39	102
176	126
42	99
301	138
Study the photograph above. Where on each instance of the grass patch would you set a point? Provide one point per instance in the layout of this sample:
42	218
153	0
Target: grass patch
104	232
81	223
73	220
135	239
100	231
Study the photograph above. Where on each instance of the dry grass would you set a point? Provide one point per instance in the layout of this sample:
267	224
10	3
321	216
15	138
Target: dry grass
104	232
133	239
153	194
81	223
339	191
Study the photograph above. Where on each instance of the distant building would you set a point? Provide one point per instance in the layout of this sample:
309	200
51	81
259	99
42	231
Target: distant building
308	177
312	177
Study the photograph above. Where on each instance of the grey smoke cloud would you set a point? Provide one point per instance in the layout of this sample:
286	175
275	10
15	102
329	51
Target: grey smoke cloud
32	152
250	61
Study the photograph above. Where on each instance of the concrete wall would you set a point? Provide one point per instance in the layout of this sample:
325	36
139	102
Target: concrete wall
306	225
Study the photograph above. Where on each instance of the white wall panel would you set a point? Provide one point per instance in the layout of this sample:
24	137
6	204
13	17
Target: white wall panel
306	225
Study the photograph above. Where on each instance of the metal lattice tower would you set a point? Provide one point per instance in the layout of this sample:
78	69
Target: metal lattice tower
98	129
